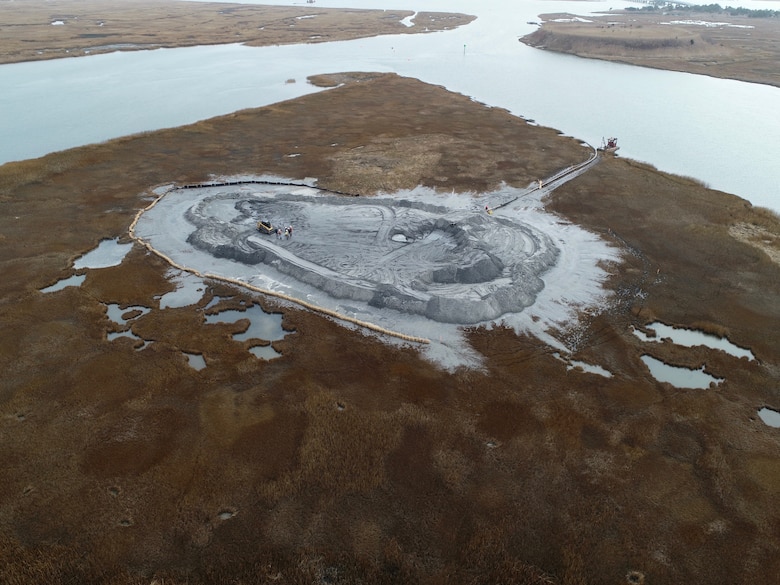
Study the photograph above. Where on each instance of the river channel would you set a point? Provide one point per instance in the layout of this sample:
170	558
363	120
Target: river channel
723	132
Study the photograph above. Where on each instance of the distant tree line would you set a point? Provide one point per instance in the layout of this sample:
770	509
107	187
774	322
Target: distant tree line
711	9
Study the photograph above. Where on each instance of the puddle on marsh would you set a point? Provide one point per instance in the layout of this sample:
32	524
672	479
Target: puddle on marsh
189	290
122	317
589	368
584	366
226	514
195	360
112	335
262	325
75	280
770	417
693	338
265	352
677	376
108	253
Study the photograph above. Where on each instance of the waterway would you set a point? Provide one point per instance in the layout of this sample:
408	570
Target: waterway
722	132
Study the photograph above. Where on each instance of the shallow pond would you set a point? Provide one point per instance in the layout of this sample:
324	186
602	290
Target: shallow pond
262	325
770	417
123	316
265	352
693	338
584	366
108	253
195	360
677	376
589	368
189	290
75	280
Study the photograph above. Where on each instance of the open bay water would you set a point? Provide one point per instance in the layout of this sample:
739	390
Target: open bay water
723	132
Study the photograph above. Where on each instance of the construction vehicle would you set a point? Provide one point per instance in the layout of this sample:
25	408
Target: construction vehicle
609	146
265	227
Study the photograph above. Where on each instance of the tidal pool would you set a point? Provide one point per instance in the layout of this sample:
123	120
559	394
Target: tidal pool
122	317
108	253
189	290
75	280
195	360
262	325
692	338
677	376
770	417
265	352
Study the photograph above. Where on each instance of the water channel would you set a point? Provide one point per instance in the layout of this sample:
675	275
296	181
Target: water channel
720	131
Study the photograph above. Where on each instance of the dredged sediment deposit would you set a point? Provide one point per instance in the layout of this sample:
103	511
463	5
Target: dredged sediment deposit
460	266
349	458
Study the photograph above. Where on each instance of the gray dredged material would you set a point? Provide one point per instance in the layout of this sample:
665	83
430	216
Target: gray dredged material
452	266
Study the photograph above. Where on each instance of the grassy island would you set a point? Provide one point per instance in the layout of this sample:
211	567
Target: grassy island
349	459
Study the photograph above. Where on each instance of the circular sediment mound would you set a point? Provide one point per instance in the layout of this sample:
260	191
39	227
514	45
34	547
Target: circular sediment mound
459	266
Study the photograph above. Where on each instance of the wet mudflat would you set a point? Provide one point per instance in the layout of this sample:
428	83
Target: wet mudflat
352	459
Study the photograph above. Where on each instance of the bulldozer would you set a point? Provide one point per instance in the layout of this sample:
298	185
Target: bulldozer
265	227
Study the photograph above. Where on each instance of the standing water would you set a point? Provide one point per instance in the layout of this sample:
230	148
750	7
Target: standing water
720	131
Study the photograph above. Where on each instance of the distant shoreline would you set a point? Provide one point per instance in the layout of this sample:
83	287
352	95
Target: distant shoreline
718	45
345	457
39	30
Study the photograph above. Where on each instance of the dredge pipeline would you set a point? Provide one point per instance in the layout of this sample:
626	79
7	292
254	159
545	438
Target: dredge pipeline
260	182
237	282
554	181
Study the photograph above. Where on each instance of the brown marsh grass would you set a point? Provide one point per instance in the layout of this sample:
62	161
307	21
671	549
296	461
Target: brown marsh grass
748	50
348	460
98	26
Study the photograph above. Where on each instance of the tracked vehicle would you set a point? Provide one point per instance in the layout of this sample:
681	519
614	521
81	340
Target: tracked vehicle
265	227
